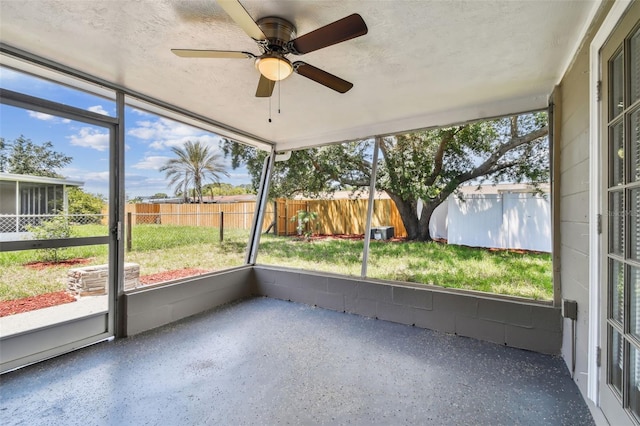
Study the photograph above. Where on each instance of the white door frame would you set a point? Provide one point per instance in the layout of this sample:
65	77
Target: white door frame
595	179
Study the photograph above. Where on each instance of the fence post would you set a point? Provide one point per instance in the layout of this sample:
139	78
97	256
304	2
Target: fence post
129	231
221	226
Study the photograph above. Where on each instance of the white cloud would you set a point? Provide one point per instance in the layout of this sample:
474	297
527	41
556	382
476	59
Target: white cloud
179	142
47	117
96	177
90	137
41	116
138	185
164	133
151	163
98	109
141	112
83	175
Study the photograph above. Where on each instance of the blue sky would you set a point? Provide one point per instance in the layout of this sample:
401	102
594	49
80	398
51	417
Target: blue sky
148	137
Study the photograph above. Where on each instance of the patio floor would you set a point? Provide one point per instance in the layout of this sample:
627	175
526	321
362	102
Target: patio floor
266	361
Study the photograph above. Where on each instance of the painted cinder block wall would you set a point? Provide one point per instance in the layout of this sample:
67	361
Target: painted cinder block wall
514	323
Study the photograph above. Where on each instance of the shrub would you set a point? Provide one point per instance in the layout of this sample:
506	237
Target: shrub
53	228
304	221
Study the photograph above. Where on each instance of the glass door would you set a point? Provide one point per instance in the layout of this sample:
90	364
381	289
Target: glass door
620	369
56	285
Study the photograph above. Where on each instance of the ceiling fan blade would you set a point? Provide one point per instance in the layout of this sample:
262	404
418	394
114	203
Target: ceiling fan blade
193	53
239	14
342	30
322	77
265	87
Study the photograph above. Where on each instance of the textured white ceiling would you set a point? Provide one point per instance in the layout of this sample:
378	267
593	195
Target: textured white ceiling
423	63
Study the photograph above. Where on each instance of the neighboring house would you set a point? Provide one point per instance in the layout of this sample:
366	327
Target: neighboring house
25	196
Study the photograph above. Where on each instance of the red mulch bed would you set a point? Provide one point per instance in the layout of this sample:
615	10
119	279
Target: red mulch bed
170	275
67	262
17	306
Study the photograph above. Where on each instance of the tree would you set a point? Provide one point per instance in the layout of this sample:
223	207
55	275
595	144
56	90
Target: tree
217	189
84	203
24	157
425	166
195	164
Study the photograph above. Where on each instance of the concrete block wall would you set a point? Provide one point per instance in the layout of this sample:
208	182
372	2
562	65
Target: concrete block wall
156	306
514	323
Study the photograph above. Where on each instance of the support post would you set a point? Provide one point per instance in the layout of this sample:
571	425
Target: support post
372	194
275	218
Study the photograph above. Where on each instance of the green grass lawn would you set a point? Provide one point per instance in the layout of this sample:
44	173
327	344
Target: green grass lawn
159	248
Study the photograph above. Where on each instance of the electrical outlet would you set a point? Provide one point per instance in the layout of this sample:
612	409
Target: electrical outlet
570	309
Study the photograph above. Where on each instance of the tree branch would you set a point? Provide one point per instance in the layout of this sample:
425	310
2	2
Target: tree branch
485	168
437	169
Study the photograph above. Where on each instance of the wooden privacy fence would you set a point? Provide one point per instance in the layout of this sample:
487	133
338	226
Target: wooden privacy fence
334	216
236	215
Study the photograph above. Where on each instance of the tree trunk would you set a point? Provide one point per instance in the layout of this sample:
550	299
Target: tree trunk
417	229
409	215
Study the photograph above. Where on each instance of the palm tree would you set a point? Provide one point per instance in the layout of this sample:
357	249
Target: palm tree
195	164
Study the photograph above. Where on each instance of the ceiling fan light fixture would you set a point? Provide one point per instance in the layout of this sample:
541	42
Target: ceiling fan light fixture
274	67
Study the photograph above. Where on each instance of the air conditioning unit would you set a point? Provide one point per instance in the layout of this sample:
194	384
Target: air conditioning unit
382	233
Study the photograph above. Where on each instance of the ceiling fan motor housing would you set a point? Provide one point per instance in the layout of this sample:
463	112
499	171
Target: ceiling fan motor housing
278	32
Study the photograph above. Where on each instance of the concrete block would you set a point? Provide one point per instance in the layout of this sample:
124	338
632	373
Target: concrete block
547	318
343	286
444	321
314	282
263	275
187	307
287	279
480	329
506	312
533	339
373	291
275	291
140	321
364	307
348	289
230	293
402	314
419	298
333	301
302	295
456	303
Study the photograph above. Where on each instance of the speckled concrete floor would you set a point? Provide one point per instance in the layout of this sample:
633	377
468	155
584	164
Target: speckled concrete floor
265	361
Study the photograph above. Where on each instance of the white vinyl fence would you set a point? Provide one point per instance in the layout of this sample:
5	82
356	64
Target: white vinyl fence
506	220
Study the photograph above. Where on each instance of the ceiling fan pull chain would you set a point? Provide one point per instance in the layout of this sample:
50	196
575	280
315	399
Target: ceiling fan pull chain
279	85
269	109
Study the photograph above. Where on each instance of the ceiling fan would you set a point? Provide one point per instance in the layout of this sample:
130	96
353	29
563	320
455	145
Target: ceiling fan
275	38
